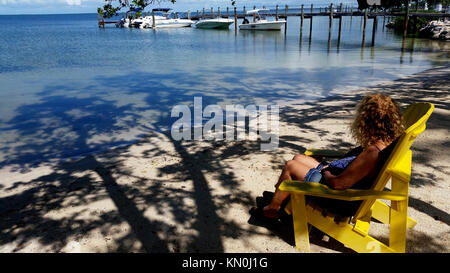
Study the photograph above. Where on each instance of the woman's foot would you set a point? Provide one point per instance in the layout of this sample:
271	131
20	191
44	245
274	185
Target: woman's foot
270	212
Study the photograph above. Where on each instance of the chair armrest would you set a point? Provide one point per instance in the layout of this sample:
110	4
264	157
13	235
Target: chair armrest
326	153
320	190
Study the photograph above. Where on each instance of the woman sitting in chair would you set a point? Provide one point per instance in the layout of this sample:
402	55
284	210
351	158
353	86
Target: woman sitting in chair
377	125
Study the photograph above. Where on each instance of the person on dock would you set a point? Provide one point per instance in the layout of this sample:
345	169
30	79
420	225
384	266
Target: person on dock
377	125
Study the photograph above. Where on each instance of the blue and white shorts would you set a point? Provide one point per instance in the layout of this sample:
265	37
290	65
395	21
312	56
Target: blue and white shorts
314	174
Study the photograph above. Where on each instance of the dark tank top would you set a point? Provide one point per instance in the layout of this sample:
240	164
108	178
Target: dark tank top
349	208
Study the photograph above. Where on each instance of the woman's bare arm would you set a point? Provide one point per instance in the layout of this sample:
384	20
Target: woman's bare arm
364	165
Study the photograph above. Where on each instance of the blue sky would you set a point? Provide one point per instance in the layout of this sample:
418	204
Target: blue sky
89	6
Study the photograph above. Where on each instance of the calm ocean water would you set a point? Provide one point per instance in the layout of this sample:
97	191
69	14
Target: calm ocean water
68	88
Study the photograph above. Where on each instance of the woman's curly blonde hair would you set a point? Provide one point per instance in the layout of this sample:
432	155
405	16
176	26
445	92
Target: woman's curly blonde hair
378	117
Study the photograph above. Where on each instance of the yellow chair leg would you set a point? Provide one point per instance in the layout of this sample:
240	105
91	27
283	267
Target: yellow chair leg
398	225
381	212
362	225
346	234
300	222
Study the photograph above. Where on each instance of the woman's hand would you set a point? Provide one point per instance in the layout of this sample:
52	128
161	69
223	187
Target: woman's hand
329	178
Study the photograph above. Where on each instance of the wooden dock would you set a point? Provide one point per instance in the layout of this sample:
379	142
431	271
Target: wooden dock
331	12
313	14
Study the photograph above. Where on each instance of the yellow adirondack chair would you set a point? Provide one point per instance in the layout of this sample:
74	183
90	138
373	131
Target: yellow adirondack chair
354	232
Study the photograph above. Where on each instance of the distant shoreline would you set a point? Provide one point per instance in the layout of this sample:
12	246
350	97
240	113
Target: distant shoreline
45	14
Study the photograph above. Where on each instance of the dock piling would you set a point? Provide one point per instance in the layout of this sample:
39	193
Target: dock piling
364	27
153	20
276	13
362	19
340	25
374	27
405	31
101	20
286	16
311	23
331	16
235	21
301	22
331	23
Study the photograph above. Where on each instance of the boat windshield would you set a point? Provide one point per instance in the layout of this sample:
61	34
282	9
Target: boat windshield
258	14
258	17
168	13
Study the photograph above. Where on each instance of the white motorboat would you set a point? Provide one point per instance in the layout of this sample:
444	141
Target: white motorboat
170	19
141	22
259	22
138	22
215	23
124	22
162	20
131	22
147	21
173	23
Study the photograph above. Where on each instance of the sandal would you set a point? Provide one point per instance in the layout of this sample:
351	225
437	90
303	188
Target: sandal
258	213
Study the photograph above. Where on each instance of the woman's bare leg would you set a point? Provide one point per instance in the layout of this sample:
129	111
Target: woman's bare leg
308	161
293	170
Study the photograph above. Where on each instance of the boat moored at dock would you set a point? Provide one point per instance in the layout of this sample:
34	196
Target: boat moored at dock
169	19
259	22
215	23
164	18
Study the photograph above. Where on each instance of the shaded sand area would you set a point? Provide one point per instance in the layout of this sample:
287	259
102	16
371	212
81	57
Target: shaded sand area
164	196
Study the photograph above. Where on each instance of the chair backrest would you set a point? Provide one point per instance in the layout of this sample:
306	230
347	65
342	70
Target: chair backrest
415	117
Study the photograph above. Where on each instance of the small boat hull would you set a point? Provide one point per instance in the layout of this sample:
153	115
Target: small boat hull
173	23
268	25
214	24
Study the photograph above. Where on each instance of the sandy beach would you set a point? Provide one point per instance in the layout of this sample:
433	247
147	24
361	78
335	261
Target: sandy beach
159	195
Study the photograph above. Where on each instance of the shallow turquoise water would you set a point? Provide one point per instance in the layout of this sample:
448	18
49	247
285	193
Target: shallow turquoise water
68	88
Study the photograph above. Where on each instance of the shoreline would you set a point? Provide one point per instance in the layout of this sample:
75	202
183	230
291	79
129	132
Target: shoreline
157	195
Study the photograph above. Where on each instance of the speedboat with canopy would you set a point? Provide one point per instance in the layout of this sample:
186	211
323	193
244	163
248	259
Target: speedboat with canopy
164	18
169	19
260	22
